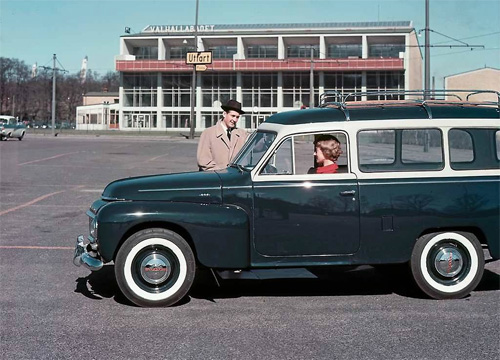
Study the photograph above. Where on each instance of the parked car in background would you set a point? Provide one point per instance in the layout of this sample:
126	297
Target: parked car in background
11	128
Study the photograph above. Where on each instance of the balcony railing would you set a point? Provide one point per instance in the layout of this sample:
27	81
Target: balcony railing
264	65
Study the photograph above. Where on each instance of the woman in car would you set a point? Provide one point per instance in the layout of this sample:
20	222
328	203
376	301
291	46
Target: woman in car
327	150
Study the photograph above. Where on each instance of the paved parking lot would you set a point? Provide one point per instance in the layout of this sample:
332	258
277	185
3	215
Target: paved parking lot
52	309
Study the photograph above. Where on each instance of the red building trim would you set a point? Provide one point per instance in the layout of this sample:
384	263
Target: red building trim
264	65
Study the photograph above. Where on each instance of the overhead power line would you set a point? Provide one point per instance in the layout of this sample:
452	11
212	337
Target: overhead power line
466	51
473	37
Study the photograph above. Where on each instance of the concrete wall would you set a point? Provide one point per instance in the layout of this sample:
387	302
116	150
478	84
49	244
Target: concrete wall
415	63
100	99
481	79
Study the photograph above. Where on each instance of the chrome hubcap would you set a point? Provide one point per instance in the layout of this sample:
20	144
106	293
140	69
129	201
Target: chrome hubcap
155	268
448	262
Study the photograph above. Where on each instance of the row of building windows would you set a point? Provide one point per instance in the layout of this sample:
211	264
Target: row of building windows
271	51
175	119
374	79
258	89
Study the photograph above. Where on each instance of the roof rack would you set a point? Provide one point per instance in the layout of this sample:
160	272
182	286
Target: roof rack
405	97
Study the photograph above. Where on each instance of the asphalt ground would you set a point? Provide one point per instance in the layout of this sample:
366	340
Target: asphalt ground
51	309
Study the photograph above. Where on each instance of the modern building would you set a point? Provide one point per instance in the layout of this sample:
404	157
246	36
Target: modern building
486	78
100	111
267	67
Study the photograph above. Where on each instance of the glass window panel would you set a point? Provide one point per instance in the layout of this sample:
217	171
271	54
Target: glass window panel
207	100
344	50
497	141
421	146
262	51
255	147
145	52
207	80
385	50
185	100
247	100
247	80
265	100
461	149
376	147
224	81
302	51
288	81
280	163
179	52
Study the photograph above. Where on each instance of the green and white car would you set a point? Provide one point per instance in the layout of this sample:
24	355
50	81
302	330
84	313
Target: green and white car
11	128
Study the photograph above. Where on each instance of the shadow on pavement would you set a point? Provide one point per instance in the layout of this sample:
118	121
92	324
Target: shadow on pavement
101	284
364	280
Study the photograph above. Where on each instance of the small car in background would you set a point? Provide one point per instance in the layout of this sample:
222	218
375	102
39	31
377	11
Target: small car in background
11	128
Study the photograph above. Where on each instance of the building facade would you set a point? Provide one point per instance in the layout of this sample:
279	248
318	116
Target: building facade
480	79
100	111
266	67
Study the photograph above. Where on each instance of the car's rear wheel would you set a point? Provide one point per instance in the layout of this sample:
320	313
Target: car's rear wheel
447	265
155	267
21	137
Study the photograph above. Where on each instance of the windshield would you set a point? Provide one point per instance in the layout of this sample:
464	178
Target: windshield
258	143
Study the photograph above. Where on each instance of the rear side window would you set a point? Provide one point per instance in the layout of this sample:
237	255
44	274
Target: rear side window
461	147
497	141
474	148
400	150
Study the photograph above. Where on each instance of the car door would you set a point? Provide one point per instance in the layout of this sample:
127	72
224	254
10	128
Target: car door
301	214
18	129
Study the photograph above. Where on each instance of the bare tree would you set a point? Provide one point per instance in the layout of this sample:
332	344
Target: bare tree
30	98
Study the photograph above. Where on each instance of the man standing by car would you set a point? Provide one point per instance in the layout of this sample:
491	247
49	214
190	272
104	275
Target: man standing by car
220	143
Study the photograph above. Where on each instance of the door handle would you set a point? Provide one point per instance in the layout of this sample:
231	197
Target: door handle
348	193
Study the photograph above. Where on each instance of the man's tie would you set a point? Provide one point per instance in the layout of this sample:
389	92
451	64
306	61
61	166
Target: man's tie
229	134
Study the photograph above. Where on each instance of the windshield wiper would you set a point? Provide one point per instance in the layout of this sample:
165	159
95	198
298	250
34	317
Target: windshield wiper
241	168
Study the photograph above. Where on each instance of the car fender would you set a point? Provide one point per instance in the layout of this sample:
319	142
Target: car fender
219	233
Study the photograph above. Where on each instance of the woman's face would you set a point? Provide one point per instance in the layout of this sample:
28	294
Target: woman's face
320	157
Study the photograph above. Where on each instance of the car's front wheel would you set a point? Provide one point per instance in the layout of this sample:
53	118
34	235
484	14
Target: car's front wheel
155	267
447	265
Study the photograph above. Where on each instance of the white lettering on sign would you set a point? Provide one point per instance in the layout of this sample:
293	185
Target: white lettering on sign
177	28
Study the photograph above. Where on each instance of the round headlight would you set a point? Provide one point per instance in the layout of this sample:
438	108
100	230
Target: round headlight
93	227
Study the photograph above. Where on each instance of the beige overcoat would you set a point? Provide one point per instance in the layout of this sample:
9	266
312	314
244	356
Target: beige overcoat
215	151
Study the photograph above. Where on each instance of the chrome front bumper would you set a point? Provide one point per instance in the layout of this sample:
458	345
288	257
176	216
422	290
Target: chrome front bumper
86	255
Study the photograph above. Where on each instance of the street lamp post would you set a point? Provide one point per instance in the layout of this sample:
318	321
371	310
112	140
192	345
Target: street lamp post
193	81
427	53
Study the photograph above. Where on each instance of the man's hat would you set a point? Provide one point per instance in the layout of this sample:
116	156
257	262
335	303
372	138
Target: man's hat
232	105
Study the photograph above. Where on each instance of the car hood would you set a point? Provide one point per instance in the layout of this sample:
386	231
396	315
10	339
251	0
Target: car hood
199	187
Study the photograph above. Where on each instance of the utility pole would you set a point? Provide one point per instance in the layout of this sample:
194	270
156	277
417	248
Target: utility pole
54	96
54	70
193	82
311	81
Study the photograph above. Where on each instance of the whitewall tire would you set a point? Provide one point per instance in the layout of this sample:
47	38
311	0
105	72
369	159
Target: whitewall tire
155	267
447	265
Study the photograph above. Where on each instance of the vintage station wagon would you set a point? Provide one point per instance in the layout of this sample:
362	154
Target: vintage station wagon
418	183
11	128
